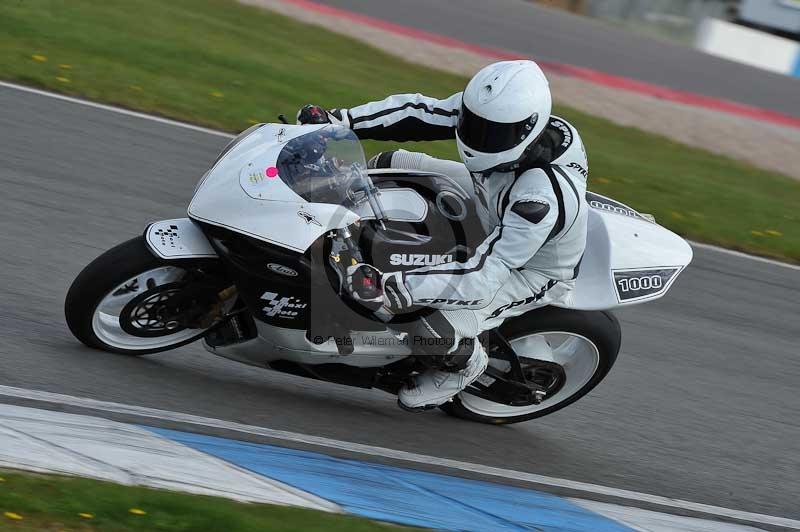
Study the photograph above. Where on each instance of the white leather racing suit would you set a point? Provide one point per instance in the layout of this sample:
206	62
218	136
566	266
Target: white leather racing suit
535	217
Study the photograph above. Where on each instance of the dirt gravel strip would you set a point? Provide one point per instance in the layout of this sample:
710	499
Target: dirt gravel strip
765	145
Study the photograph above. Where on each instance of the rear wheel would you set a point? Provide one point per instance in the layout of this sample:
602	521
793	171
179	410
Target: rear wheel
568	352
129	302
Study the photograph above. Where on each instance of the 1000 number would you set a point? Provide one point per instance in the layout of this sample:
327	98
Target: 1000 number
640	283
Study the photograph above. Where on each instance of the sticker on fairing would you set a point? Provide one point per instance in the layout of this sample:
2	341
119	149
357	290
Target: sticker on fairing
609	205
255	181
282	307
632	285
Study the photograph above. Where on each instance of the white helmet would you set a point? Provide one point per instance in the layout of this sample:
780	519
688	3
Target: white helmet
505	108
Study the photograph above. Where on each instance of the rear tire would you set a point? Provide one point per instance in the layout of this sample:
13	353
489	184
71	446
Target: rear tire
601	329
100	281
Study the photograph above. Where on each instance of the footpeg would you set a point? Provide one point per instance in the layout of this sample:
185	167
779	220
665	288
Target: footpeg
538	396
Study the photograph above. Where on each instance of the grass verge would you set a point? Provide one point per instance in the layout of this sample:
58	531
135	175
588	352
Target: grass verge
49	502
226	65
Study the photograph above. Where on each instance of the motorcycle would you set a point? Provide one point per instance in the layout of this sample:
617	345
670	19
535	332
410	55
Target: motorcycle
256	271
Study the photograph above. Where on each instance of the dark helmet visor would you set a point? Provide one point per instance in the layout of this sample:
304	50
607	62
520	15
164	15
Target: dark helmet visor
486	136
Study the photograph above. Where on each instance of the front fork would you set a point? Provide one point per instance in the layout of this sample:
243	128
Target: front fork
344	253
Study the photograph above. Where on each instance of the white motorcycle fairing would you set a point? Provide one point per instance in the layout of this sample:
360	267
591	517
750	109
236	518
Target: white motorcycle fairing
238	194
629	259
244	193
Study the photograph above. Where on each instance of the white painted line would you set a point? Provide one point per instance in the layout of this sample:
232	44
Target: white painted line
118	110
217	133
650	521
370	450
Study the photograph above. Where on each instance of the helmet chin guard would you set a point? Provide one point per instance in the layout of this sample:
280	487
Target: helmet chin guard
505	108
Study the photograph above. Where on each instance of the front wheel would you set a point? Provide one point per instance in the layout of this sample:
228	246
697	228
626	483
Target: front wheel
129	302
584	345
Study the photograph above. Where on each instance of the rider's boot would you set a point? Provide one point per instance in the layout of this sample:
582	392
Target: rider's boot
437	386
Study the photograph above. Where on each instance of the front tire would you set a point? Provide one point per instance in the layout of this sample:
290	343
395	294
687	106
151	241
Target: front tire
586	344
101	294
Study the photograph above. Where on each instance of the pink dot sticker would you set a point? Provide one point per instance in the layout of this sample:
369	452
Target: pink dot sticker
271	172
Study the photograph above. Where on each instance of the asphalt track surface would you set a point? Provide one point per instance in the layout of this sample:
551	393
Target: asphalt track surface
552	35
702	404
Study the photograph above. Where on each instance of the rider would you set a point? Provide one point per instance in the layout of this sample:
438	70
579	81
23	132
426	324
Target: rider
528	170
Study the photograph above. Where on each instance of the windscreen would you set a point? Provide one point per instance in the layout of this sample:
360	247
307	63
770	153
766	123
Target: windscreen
326	166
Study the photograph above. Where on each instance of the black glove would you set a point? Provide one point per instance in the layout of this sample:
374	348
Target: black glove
312	114
363	283
315	114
